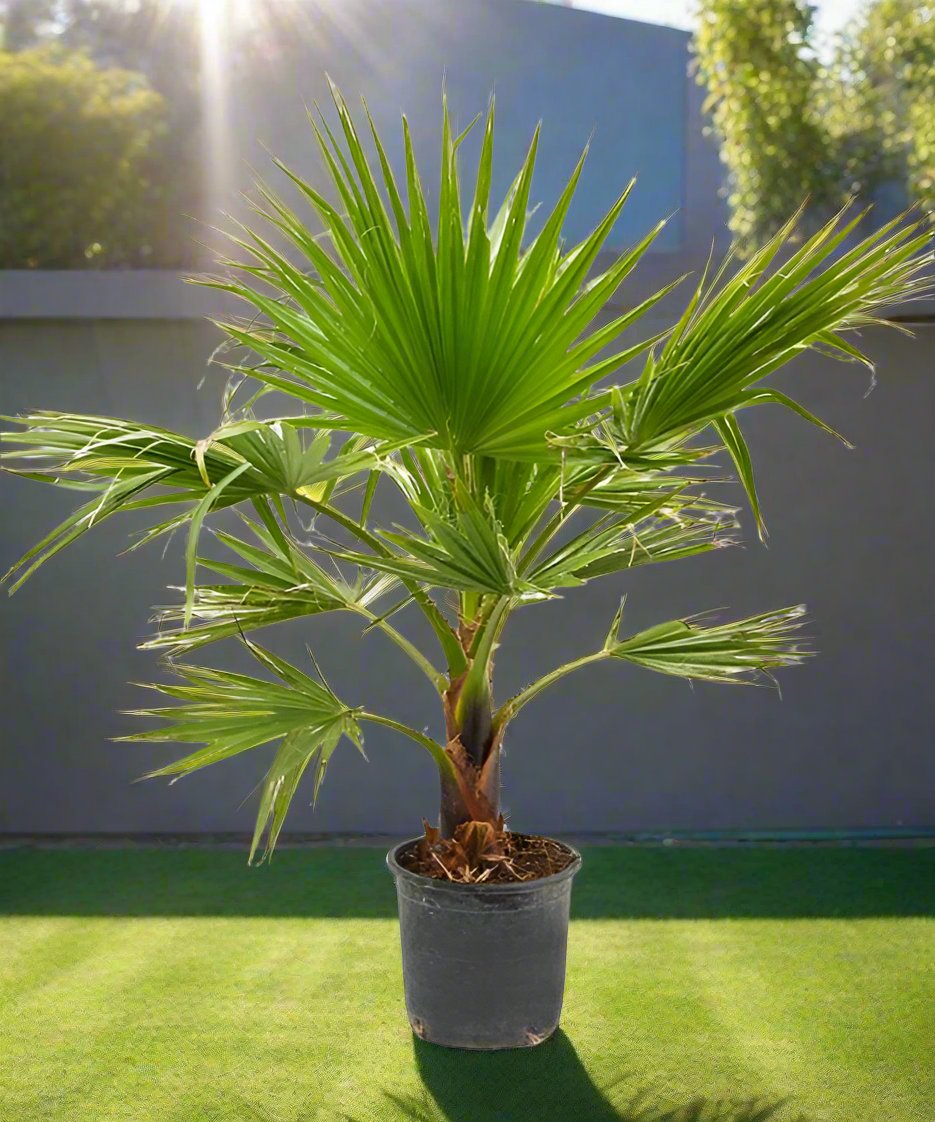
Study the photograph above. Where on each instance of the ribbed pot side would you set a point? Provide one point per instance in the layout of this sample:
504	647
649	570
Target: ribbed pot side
483	964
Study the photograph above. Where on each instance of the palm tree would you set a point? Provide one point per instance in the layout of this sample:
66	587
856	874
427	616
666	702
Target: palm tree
467	362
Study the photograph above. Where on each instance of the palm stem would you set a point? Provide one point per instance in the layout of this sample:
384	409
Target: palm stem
473	708
435	676
446	637
509	709
438	753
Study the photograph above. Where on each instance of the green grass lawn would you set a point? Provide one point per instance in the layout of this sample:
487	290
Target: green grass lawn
704	985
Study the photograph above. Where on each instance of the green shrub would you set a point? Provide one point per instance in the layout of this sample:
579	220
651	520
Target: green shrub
765	98
793	127
890	54
83	174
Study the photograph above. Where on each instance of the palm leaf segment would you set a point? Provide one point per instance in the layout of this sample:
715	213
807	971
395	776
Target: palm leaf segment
274	581
229	713
128	467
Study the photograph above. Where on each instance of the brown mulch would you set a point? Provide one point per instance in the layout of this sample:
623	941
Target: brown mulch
514	858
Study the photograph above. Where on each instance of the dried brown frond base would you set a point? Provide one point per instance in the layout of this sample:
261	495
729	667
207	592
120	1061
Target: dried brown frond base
480	854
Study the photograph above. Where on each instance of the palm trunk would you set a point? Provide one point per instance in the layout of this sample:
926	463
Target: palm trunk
454	808
474	796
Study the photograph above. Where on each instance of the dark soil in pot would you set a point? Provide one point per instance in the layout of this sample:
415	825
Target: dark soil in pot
484	962
525	857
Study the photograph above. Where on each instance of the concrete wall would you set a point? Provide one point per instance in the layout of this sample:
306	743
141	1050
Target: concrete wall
580	74
849	745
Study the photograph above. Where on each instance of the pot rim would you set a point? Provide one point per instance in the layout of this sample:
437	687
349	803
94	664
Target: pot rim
459	888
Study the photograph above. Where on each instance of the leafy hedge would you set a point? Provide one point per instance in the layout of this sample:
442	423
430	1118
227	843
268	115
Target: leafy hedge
762	94
84	179
796	124
890	53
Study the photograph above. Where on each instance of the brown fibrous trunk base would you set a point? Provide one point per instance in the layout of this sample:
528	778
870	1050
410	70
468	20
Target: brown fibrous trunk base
478	854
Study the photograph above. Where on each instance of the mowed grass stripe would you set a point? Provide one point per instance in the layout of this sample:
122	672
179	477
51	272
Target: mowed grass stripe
659	1010
826	1007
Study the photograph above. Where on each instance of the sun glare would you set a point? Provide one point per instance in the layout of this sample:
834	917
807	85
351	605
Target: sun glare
216	18
231	12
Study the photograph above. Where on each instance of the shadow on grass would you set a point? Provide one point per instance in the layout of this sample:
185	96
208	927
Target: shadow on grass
544	1084
615	882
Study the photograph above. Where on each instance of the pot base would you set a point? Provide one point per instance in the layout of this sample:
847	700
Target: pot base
530	1039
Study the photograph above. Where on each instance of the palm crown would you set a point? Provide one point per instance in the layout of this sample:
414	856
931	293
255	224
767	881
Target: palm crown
463	359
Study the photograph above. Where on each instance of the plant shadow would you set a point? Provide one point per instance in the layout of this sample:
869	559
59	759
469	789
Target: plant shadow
548	1083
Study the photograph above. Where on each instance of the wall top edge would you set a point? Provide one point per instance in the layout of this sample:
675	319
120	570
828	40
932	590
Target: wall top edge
147	294
105	294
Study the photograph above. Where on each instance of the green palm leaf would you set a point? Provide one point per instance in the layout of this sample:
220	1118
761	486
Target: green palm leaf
132	467
738	652
616	543
465	550
739	330
474	336
229	712
297	750
274	586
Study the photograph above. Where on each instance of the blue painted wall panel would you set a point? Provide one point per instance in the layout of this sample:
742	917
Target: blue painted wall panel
582	74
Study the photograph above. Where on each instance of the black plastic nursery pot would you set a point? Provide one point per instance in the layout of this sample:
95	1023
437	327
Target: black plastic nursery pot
483	964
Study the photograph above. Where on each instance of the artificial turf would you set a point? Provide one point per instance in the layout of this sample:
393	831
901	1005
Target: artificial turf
704	985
